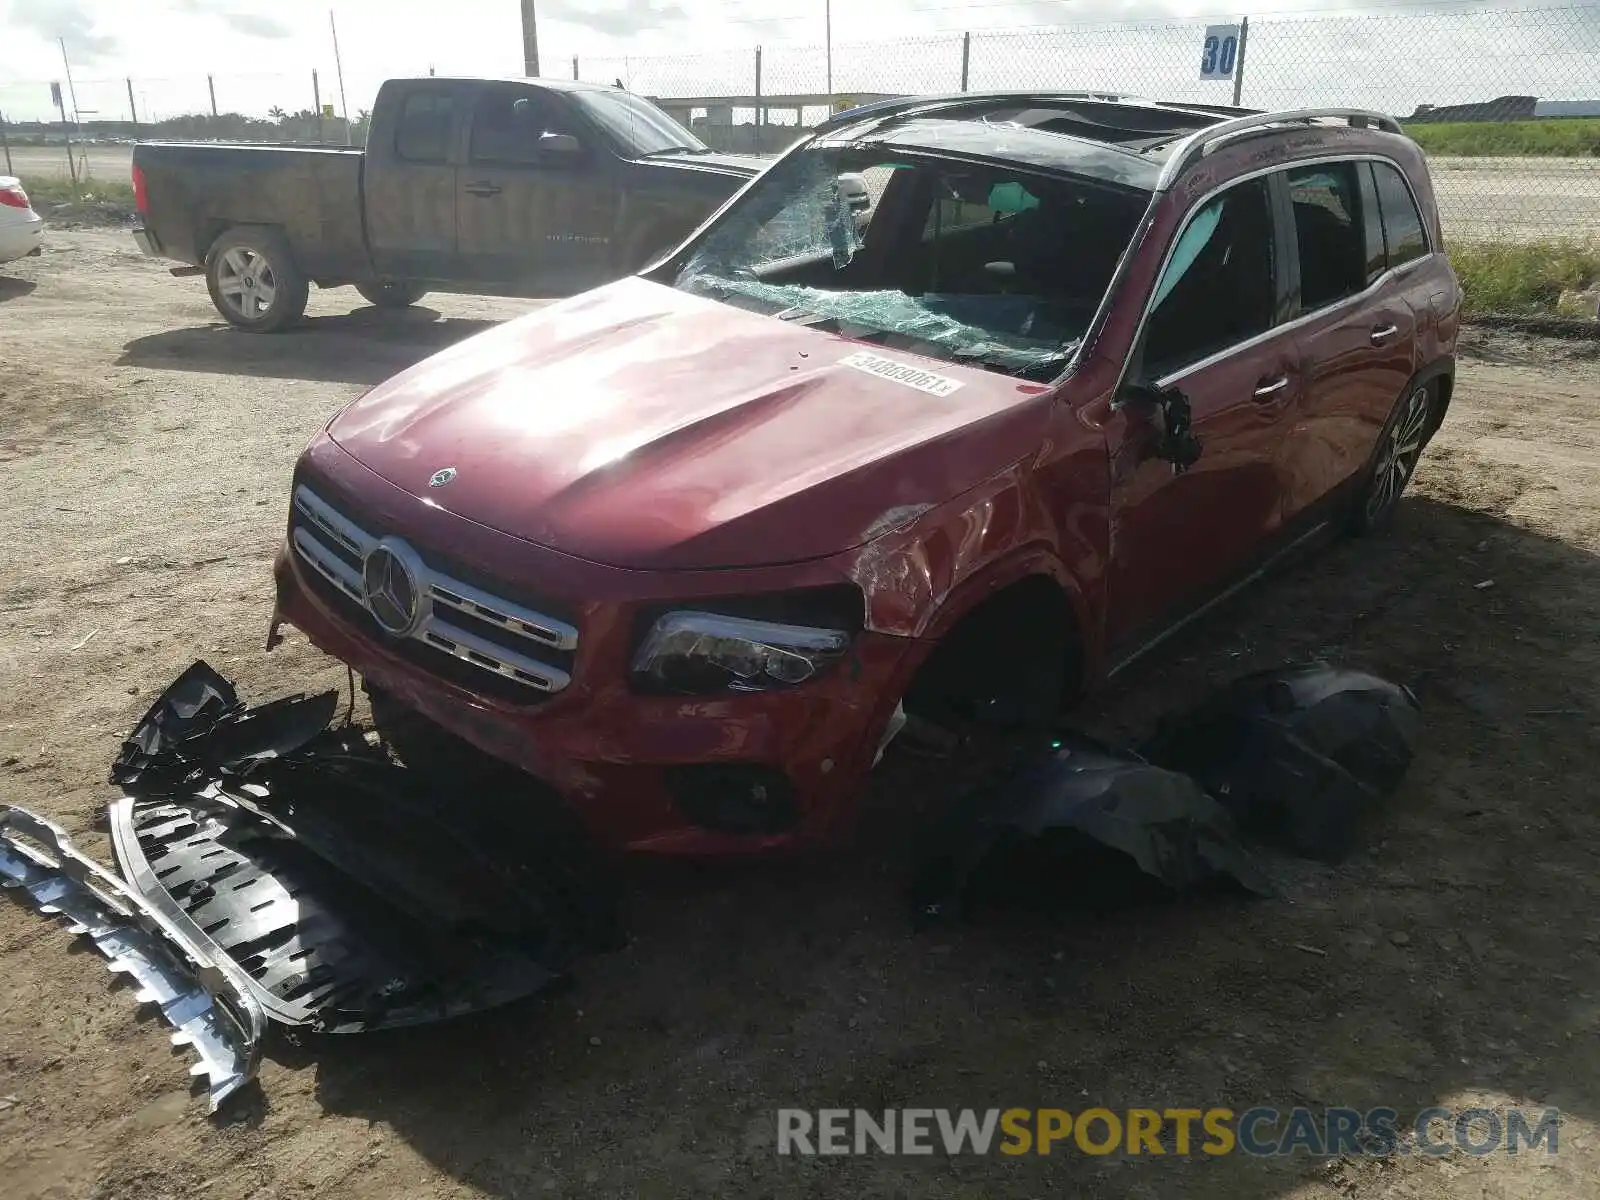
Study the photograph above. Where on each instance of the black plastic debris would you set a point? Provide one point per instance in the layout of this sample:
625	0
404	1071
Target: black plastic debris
352	893
1156	820
202	997
1296	754
198	724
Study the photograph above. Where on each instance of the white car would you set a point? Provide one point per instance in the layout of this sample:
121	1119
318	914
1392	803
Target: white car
21	229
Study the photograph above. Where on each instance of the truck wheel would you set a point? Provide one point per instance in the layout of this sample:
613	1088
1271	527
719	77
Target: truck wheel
254	281
391	295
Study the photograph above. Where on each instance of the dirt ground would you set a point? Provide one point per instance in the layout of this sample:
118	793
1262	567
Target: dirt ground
1452	961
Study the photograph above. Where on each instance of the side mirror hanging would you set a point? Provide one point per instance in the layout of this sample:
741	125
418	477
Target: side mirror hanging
1178	445
1177	442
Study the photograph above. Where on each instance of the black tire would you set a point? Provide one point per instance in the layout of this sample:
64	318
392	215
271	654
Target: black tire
254	281
391	295
1394	459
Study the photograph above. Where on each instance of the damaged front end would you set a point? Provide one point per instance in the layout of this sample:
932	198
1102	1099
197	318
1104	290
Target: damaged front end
201	995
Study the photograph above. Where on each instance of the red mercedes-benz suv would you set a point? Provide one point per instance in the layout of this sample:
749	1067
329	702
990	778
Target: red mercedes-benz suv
690	547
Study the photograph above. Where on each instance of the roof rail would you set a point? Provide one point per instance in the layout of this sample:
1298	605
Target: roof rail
905	105
1202	142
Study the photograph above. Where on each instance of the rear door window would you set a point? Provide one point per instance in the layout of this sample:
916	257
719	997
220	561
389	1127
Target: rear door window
1220	284
1329	232
1402	223
427	119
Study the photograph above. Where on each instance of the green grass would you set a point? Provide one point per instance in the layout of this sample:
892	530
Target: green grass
1513	277
1567	137
47	189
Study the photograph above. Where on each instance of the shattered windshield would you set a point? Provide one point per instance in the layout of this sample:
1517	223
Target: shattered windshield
993	265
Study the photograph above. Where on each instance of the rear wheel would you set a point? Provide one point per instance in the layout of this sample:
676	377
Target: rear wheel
391	295
254	281
1395	458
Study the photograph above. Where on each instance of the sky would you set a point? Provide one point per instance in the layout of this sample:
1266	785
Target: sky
262	52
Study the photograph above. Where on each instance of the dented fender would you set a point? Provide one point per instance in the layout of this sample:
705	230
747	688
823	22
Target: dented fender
919	579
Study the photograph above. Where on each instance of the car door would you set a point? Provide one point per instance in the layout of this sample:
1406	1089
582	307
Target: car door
538	202
410	179
1357	328
1213	333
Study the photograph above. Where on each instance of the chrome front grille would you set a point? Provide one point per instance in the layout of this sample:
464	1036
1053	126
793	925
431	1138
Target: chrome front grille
455	618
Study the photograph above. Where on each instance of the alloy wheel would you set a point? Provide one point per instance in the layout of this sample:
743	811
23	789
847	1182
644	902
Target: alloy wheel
1398	455
247	282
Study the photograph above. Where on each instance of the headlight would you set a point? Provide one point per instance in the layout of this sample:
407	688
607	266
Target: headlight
697	652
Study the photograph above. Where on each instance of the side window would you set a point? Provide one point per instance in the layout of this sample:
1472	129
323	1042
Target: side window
422	135
1218	288
507	124
1402	223
1329	232
1372	225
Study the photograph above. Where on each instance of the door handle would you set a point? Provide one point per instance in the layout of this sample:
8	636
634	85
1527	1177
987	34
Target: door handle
1270	388
483	188
1383	333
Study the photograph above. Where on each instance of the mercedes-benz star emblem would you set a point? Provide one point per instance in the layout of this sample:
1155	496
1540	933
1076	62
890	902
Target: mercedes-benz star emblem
390	581
441	477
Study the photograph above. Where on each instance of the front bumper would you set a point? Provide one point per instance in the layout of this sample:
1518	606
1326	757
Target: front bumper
610	751
622	760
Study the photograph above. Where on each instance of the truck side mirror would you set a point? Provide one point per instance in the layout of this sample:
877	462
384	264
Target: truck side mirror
559	144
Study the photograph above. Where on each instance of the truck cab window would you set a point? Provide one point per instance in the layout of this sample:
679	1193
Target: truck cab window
507	124
422	134
1219	285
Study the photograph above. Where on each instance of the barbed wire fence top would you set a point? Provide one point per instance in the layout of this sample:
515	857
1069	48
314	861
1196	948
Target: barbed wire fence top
1396	62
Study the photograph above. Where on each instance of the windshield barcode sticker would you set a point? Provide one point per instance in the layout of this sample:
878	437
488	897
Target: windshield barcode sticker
899	372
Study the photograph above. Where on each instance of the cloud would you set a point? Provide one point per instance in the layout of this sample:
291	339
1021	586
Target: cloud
250	24
617	20
52	19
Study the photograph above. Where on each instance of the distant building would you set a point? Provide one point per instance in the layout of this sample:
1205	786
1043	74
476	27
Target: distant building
1504	108
1567	108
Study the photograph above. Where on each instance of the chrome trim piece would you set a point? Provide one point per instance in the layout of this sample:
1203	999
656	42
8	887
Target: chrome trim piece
203	996
440	596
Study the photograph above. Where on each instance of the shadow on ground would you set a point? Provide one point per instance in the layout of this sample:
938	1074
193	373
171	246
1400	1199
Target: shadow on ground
363	347
15	289
1453	955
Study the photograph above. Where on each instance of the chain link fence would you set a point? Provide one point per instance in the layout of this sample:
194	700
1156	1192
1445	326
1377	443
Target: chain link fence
1483	89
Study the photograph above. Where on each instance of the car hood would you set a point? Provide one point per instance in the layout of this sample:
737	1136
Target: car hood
643	427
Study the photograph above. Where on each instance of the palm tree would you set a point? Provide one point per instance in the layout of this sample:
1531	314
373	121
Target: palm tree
276	113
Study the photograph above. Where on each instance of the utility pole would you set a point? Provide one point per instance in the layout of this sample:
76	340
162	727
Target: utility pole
530	41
